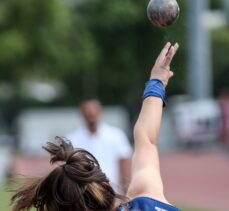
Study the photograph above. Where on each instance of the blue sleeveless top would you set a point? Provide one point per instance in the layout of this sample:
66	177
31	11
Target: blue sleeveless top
147	204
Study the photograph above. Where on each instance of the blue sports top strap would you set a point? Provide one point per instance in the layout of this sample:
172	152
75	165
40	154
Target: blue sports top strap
147	204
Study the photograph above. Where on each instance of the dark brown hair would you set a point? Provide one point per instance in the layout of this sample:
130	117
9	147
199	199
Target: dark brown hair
76	184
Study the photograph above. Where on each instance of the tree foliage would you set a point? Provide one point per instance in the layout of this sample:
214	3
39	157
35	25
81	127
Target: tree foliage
41	37
127	46
95	47
220	59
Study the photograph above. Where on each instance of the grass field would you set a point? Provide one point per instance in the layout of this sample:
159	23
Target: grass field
5	201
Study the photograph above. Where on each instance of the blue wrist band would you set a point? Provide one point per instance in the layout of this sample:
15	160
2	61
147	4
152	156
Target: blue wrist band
155	88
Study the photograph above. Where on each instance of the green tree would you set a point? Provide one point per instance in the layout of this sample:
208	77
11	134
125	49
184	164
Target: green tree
40	39
127	45
95	47
220	58
43	38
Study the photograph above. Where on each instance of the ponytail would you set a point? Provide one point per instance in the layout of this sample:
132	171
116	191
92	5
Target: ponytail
76	184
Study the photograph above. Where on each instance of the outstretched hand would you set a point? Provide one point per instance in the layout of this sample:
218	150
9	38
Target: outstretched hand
161	69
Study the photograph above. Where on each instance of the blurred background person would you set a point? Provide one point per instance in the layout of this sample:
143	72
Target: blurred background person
109	144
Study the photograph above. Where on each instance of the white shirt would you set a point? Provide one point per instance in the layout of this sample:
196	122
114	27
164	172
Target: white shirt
109	144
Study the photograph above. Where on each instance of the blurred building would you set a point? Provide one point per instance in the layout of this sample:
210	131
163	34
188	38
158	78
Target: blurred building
197	121
224	105
37	126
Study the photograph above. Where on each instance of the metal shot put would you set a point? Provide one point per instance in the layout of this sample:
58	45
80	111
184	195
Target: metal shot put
163	13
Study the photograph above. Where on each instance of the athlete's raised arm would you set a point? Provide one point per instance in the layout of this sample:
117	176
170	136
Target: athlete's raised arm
146	179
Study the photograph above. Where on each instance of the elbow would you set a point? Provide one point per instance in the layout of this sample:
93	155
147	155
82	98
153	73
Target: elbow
142	135
138	131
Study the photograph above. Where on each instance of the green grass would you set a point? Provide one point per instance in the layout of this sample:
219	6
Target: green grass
5	201
185	208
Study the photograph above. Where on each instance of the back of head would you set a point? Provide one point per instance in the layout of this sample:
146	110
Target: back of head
76	184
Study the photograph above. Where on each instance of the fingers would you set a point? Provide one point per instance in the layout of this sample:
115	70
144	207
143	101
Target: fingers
170	55
163	53
171	74
176	46
167	53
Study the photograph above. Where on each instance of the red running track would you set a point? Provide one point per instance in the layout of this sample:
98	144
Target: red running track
197	179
